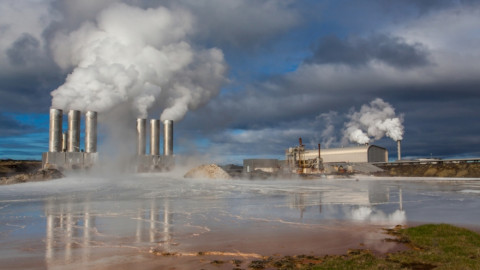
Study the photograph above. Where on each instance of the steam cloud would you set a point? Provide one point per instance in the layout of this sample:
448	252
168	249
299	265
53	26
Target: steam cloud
373	122
139	57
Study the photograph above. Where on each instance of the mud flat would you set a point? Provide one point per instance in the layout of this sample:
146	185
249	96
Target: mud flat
457	170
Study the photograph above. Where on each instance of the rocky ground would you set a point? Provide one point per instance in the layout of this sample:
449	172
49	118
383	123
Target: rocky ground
21	171
433	170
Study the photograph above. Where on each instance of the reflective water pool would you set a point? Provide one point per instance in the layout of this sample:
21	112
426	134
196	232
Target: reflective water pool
106	223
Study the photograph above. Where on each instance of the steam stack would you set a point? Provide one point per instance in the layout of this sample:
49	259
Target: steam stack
64	148
91	132
55	131
154	137
399	150
141	136
168	138
74	131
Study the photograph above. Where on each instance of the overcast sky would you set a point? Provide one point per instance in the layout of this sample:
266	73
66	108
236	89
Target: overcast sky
247	78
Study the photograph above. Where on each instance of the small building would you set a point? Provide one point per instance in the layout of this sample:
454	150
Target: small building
266	165
355	154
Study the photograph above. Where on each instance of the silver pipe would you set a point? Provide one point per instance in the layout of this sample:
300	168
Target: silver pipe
141	136
167	137
399	150
154	137
64	141
91	132
73	131
55	131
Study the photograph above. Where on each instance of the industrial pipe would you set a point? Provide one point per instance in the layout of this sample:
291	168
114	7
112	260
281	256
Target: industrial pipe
64	142
399	150
154	137
73	131
167	137
55	131
141	136
91	132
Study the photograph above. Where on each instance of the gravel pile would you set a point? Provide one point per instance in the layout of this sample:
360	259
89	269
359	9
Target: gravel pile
210	171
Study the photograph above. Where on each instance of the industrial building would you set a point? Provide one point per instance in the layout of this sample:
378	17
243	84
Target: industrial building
355	154
64	151
64	148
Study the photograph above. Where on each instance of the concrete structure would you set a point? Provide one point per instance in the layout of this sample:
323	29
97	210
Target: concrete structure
154	161
359	154
64	149
266	165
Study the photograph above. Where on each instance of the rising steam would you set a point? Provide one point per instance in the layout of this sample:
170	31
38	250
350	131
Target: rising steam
139	57
373	122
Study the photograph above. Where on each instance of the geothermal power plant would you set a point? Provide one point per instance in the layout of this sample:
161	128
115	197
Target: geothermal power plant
64	150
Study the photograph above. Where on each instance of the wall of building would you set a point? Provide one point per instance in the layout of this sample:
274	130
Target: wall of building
364	153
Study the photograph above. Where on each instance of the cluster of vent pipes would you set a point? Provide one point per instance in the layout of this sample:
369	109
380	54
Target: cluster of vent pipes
154	137
70	141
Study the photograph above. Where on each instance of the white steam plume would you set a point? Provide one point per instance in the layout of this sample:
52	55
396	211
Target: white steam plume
373	122
140	57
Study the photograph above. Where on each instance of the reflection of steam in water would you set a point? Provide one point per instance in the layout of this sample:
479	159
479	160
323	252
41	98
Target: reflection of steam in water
72	233
63	230
150	218
356	204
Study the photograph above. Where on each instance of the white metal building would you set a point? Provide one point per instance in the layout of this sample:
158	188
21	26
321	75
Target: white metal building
363	153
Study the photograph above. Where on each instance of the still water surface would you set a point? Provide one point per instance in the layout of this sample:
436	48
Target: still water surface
106	223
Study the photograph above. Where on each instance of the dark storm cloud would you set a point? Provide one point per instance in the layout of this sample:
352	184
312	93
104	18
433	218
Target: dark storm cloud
359	51
23	50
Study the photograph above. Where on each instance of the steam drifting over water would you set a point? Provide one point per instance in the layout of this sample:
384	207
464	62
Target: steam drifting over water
137	57
373	122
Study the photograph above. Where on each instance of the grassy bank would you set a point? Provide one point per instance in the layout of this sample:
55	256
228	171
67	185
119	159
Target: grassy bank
430	247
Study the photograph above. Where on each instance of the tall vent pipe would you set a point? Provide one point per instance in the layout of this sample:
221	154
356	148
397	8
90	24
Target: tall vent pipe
399	150
141	136
167	137
73	131
64	141
91	132
154	137
55	131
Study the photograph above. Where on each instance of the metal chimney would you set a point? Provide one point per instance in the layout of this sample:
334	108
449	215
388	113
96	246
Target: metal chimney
399	150
141	136
55	131
167	137
91	132
73	131
154	137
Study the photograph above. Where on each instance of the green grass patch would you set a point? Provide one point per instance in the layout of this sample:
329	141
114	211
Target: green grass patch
439	246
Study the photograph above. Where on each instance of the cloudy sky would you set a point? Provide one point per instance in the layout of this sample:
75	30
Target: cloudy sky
244	78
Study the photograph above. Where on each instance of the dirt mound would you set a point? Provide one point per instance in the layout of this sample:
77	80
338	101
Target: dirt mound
39	175
210	171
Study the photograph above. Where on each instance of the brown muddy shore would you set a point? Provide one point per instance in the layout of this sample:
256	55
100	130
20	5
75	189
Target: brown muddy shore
21	171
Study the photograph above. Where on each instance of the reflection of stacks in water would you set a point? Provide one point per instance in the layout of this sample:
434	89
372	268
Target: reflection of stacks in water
150	217
63	228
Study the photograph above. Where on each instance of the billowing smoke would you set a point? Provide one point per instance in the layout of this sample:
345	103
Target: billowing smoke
139	57
373	122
